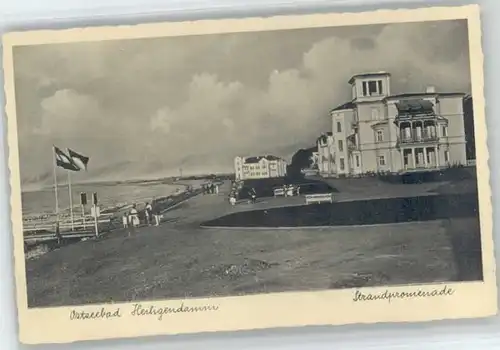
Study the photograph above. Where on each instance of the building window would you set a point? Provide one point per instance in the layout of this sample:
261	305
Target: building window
381	160
339	127
445	131
357	161
380	136
446	156
342	164
341	146
372	88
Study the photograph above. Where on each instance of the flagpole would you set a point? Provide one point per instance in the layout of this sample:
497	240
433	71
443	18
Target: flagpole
70	201
55	185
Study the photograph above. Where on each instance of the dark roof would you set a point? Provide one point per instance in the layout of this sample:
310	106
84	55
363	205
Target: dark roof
252	160
415	106
418	94
347	105
272	158
352	105
365	75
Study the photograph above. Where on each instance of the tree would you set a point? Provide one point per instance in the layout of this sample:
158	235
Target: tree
302	159
469	127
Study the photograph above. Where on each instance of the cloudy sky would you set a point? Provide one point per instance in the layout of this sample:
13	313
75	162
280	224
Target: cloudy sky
148	107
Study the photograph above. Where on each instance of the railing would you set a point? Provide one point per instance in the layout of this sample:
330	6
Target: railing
63	226
420	166
319	198
423	137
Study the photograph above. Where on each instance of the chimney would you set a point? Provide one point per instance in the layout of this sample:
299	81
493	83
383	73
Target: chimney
430	89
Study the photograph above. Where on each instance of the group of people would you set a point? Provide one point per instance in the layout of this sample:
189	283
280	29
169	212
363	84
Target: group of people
233	195
210	189
290	190
131	218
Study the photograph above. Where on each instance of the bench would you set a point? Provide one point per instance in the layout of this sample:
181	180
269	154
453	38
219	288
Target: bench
319	198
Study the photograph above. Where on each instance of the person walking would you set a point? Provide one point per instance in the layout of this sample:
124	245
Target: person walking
253	195
149	213
232	199
130	223
157	217
135	216
125	220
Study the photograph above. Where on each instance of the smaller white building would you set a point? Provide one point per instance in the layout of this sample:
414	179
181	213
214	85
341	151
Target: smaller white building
259	167
325	160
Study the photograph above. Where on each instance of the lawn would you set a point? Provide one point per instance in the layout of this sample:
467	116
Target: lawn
357	212
180	259
163	262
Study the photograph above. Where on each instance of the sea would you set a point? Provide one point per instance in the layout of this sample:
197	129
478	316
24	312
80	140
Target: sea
41	204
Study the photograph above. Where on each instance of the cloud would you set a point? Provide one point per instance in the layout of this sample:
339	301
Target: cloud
198	101
68	112
292	108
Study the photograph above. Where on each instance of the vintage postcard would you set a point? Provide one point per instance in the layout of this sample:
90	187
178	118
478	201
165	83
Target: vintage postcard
240	174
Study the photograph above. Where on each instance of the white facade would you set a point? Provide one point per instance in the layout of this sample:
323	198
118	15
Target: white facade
380	132
259	167
325	160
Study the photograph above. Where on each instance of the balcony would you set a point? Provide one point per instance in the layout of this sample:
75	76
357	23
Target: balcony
414	137
352	144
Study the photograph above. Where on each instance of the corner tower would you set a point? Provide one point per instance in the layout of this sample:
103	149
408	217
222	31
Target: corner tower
370	87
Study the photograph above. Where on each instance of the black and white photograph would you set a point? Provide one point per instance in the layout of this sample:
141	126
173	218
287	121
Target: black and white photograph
245	163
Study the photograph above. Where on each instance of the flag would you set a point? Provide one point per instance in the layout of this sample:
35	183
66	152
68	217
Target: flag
63	161
79	160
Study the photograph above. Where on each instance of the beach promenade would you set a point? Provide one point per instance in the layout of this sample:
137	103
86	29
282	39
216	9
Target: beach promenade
180	259
207	207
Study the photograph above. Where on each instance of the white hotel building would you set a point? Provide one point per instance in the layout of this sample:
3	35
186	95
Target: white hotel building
380	132
259	167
